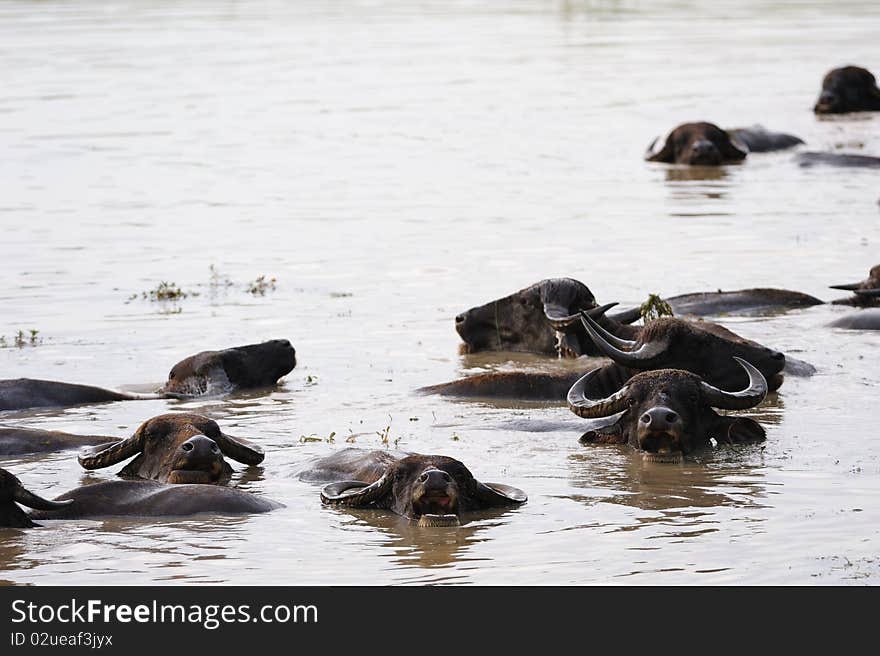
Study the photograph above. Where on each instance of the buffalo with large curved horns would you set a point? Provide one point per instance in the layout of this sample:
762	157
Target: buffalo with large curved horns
175	448
429	489
12	492
667	413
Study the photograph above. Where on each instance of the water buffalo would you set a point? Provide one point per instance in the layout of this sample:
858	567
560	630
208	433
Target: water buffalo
848	89
863	320
865	293
843	160
431	490
153	499
706	144
667	413
13	492
21	441
542	318
240	367
742	302
205	373
706	349
175	448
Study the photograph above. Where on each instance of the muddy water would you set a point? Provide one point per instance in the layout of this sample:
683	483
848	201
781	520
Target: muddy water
392	166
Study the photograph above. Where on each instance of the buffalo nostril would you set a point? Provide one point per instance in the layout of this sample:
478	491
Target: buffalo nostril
645	418
671	417
459	319
423	478
187	446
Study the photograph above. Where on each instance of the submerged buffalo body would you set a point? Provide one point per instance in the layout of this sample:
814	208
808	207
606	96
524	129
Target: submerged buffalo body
863	320
667	413
12	492
542	318
848	89
744	302
22	393
175	448
842	160
431	490
21	441
706	144
153	499
865	293
221	372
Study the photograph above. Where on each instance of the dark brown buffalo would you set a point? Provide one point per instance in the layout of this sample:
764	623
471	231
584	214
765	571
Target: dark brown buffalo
868	319
21	393
176	448
241	367
865	293
757	301
667	413
153	499
13	492
432	490
542	318
701	347
706	144
21	441
848	89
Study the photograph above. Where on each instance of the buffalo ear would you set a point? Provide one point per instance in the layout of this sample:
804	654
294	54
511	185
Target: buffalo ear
665	154
602	437
357	494
499	494
734	149
740	430
240	449
109	453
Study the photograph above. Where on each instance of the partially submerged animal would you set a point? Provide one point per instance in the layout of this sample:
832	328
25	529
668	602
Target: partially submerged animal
865	293
429	489
153	499
667	413
12	492
848	89
541	318
868	319
202	374
843	160
742	302
21	441
176	448
706	144
241	367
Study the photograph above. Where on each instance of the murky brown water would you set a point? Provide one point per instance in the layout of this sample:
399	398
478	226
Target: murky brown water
392	166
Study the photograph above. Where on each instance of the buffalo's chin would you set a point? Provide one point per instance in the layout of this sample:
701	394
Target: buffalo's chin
672	457
431	520
192	476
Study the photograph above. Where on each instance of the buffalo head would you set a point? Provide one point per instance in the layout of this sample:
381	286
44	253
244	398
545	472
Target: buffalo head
848	89
668	413
542	318
703	144
432	490
865	293
704	348
175	448
241	367
13	492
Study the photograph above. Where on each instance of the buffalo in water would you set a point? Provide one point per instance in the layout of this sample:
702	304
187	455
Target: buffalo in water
848	89
865	293
542	318
868	319
153	499
428	489
12	492
175	448
667	413
706	144
22	441
204	374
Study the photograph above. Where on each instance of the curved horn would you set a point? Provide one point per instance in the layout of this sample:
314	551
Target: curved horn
499	494
559	320
747	398
109	453
356	493
240	449
868	292
643	357
627	316
583	406
851	287
31	500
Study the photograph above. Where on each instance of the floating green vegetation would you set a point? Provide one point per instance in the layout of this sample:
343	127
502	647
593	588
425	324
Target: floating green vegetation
164	292
317	438
654	308
261	285
22	338
311	380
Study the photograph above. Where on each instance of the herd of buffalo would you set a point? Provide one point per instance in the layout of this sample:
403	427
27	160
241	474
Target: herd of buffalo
657	393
